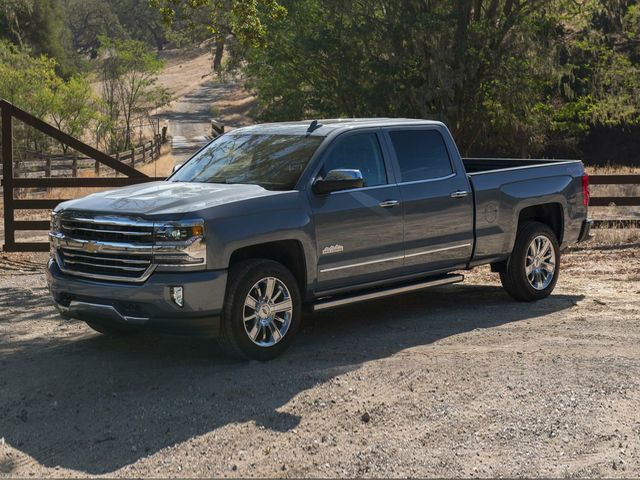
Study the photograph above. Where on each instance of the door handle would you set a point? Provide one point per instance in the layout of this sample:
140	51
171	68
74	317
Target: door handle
459	194
389	204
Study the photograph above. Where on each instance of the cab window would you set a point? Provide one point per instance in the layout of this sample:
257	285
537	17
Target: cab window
362	152
421	154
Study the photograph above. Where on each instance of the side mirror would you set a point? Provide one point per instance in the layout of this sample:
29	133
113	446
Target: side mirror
336	180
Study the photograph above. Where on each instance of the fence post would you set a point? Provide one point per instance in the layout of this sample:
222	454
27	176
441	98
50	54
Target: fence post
144	153
96	169
117	159
47	167
7	179
133	157
74	167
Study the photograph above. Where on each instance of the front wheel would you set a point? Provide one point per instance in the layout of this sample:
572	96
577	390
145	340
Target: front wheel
262	310
532	270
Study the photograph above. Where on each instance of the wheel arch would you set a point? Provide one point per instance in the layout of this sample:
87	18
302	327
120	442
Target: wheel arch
289	253
550	214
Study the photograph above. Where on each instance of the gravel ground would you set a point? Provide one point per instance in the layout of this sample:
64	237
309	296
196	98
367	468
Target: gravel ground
456	381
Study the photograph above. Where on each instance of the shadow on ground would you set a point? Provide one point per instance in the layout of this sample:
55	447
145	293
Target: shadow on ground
95	404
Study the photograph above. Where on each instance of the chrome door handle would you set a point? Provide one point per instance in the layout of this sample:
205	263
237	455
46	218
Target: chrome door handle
389	203
459	194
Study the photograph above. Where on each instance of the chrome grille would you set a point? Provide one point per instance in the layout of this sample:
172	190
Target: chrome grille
107	230
105	247
101	265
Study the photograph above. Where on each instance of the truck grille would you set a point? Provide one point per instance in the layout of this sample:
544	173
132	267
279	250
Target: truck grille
102	265
106	248
107	231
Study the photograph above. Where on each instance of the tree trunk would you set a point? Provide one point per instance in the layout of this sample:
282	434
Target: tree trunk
217	56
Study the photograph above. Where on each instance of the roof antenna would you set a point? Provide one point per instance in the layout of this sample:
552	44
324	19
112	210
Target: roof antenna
314	126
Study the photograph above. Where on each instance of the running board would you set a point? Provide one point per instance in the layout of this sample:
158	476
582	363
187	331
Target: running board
339	302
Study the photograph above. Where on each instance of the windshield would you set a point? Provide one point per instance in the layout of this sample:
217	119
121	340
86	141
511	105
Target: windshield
274	162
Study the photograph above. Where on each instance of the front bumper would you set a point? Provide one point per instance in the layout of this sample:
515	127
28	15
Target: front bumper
585	231
144	306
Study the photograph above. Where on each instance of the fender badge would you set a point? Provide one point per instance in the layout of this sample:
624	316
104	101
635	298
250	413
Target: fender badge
332	249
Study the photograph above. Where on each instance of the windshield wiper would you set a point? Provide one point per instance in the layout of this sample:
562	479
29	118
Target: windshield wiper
217	180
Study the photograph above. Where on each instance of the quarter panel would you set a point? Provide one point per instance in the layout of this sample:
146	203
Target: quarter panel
501	196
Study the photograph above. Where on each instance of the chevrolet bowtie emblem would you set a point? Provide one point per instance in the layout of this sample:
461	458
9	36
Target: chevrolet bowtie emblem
91	247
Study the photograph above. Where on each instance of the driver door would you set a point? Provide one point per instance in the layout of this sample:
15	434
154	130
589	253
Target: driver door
359	232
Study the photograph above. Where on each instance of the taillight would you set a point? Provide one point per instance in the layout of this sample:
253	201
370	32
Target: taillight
585	190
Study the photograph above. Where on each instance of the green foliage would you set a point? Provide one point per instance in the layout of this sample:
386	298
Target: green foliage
128	73
241	18
32	84
74	106
40	26
26	81
507	77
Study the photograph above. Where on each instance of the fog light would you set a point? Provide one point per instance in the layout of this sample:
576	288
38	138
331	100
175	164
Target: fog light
177	295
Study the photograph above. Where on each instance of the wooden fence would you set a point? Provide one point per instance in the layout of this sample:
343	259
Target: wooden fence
11	183
44	165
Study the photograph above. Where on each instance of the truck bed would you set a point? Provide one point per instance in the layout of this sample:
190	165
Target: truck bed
504	187
484	165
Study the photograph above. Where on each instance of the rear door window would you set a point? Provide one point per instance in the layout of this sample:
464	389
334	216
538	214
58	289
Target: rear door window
421	154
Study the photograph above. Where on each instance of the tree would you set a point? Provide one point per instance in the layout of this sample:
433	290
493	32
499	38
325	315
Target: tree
39	25
31	83
74	106
241	19
484	67
128	74
88	20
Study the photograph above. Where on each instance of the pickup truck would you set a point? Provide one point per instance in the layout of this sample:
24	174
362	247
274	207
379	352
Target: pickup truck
268	220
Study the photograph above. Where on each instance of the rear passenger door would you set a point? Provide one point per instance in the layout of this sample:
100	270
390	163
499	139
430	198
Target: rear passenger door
436	199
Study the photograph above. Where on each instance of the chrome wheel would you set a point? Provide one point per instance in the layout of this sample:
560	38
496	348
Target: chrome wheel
267	312
540	262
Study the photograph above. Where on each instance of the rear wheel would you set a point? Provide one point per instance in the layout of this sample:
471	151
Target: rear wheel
262	310
532	270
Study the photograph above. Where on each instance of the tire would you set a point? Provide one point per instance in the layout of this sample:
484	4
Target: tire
111	330
252	328
536	285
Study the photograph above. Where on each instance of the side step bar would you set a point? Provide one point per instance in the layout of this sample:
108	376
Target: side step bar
334	302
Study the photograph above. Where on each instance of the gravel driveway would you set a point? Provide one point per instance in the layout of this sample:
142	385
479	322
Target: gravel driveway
455	381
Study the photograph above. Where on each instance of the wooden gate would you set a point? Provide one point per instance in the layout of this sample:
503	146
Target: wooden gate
10	112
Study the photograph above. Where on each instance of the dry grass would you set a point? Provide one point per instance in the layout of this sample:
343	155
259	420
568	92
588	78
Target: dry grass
615	236
614	212
613	170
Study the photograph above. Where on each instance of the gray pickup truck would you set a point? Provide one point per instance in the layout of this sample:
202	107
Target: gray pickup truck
270	219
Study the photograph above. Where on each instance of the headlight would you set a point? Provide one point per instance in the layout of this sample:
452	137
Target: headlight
178	233
55	222
180	244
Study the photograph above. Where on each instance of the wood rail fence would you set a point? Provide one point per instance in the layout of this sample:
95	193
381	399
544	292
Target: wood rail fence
95	158
41	164
10	183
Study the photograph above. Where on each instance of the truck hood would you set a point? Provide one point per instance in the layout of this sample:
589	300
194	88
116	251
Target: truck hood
165	198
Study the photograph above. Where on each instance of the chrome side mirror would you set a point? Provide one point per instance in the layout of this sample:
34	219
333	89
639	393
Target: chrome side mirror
339	179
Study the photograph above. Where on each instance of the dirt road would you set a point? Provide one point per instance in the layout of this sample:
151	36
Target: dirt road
199	97
188	118
456	381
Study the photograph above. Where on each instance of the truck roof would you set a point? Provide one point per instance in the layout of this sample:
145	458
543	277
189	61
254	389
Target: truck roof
325	126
